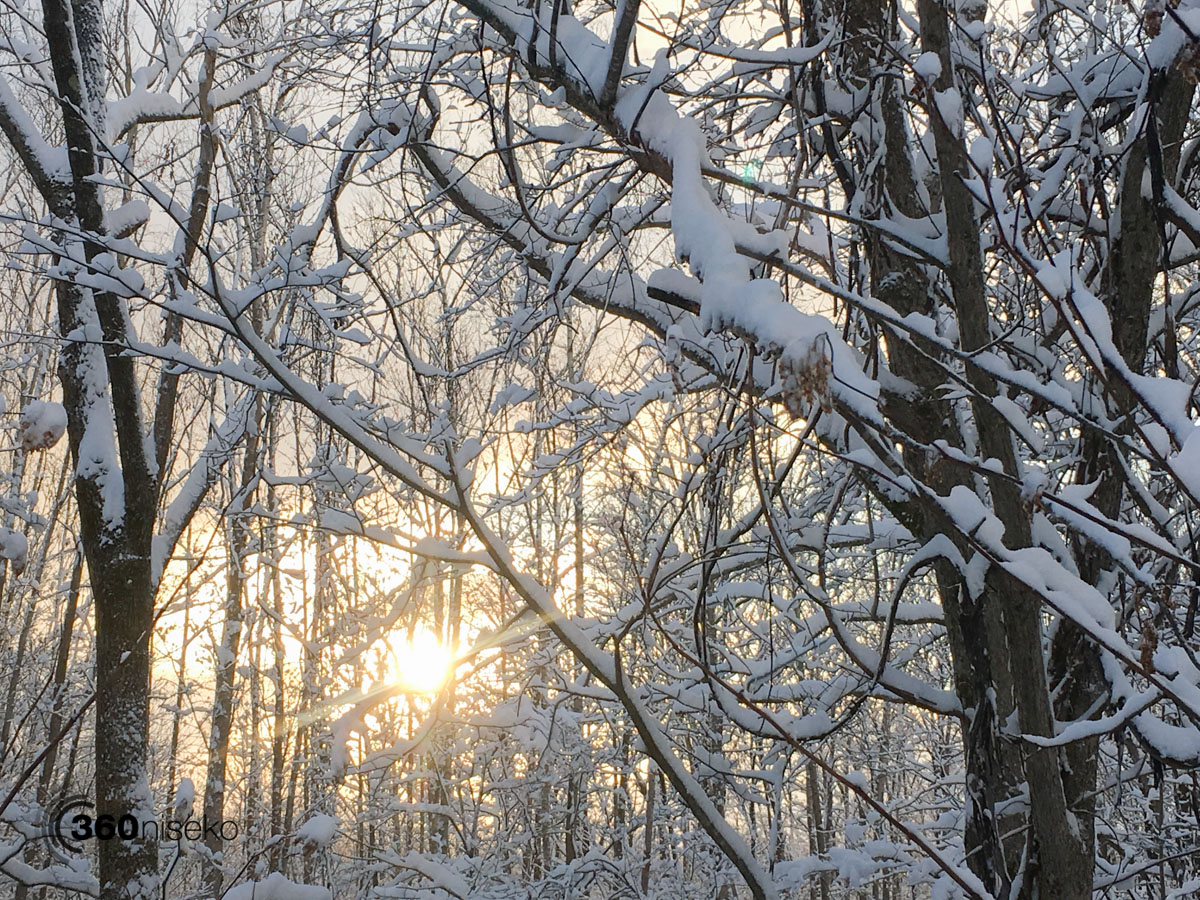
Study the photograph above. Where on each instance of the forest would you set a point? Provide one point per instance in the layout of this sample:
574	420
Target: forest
599	449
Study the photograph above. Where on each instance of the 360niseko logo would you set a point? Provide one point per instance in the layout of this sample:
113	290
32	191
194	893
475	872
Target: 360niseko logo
63	824
74	821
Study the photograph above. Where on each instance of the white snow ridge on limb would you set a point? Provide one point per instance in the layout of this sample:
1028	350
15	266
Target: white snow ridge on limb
276	887
43	423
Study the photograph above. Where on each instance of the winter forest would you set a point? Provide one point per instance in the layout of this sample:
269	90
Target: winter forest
599	449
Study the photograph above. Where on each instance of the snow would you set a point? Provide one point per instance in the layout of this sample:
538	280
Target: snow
950	108
790	56
730	298
975	29
276	887
106	275
1062	590
982	153
126	217
320	829
140	105
437	875
42	425
1186	463
717	321
349	523
227	96
972	516
14	547
1094	78
52	161
1176	32
1015	416
1175	742
649	730
928	67
512	395
225	212
1188	889
185	799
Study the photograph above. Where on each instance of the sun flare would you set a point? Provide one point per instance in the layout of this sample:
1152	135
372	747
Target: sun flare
421	663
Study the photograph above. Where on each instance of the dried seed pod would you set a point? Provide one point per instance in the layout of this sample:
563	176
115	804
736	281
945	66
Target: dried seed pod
806	380
1153	17
1148	645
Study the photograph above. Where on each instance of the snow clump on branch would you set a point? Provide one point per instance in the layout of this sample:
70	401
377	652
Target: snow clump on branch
14	547
42	425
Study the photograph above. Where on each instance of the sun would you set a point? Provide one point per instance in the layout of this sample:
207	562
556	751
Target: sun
420	662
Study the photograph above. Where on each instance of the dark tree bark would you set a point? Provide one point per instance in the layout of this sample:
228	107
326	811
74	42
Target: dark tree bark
118	471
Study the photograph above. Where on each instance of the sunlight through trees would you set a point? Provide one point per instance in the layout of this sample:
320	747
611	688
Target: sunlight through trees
603	449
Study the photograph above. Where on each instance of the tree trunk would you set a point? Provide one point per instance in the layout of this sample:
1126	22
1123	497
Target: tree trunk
227	655
124	603
1058	860
648	836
